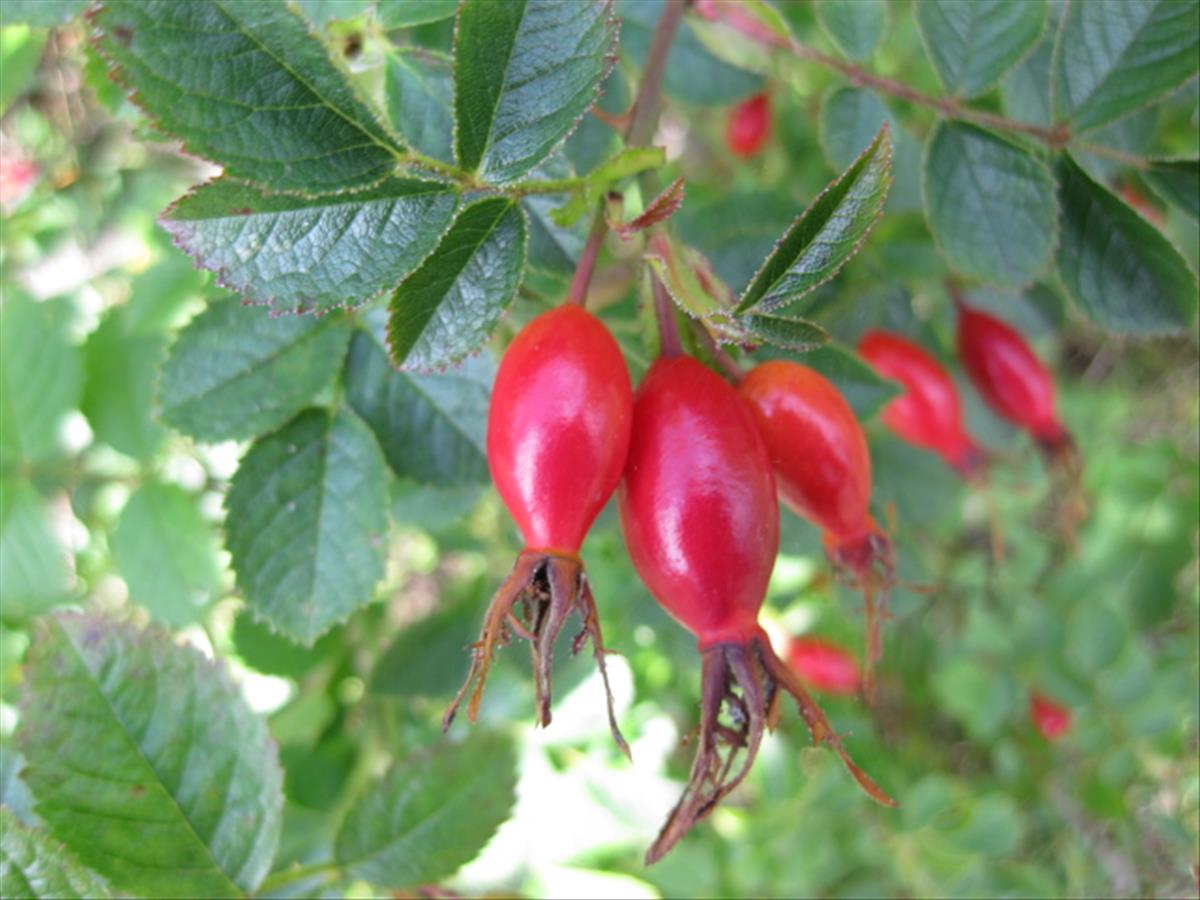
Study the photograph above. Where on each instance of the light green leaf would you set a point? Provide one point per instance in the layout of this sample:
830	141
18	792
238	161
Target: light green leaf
34	574
972	43
166	553
827	234
553	248
40	378
1116	265
432	428
306	523
856	26
121	366
850	119
526	71
990	204
1112	57
406	13
430	814
1178	182
322	12
247	85
448	307
146	762
20	51
420	100
41	12
235	372
690	282
33	864
626	162
1026	90
311	254
788	332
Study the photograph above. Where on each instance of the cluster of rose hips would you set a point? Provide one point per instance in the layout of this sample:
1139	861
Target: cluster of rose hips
698	465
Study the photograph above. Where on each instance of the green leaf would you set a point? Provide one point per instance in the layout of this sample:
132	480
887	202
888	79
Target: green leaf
265	651
856	26
626	162
432	428
40	378
235	371
166	553
145	760
33	864
1178	182
420	100
322	12
248	86
691	283
693	74
34	574
593	141
311	254
1026	90
447	308
41	12
525	72
20	52
406	13
425	660
785	331
121	366
972	43
430	814
1116	265
1112	58
990	204
827	234
735	231
850	119
307	523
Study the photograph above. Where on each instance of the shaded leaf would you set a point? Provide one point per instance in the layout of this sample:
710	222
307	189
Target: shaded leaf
856	26
432	428
406	13
735	231
41	12
248	86
34	573
430	814
322	12
121	366
166	553
425	659
1116	265
972	43
448	307
33	864
990	204
827	234
145	760
525	73
311	254
1112	58
420	100
850	119
306	523
1178	182
785	331
235	371
1026	90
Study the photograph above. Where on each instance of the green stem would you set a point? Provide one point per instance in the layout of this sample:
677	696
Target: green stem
294	874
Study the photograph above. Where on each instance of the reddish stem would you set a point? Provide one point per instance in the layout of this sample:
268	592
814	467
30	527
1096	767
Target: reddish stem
664	311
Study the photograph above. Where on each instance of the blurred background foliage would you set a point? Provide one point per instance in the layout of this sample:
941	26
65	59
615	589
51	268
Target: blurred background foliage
105	507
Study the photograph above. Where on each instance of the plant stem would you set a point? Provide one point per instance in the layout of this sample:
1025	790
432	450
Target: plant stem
728	364
664	311
642	123
293	874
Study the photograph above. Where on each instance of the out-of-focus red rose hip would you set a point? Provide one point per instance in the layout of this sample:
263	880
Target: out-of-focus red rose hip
824	665
749	126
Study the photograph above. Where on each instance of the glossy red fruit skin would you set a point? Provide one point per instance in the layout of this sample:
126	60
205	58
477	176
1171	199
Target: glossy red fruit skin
817	447
1052	719
749	126
1007	374
929	412
559	426
698	504
824	665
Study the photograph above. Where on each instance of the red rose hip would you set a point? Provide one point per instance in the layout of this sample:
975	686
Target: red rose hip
824	665
749	126
1052	719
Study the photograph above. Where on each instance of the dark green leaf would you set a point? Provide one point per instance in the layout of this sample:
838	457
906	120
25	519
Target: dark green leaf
1112	58
693	74
41	12
553	248
248	86
432	428
405	13
448	307
1178	182
40	378
20	51
166	553
827	234
307	523
989	203
1026	90
856	26
265	651
33	864
735	231
145	760
121	366
235	371
1116	265
426	659
525	72
785	331
594	141
303	254
972	43
322	12
850	119
431	814
34	574
420	100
